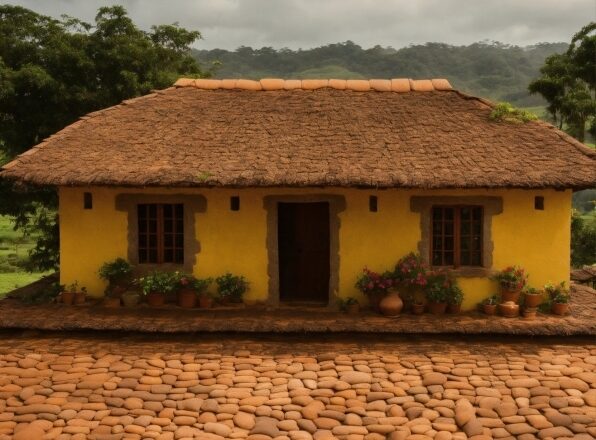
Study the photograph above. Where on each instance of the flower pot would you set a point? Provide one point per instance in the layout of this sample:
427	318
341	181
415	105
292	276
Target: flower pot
532	301
560	308
117	290
79	298
509	309
489	309
417	308
508	295
374	300
187	298
205	302
353	309
130	299
67	297
156	299
530	313
437	308
391	304
453	309
112	302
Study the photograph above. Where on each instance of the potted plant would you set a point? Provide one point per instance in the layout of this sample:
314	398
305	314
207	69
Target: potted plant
455	297
375	286
231	288
117	273
410	276
532	297
205	298
511	280
489	305
187	295
437	291
418	307
349	305
80	296
131	298
509	309
68	294
157	285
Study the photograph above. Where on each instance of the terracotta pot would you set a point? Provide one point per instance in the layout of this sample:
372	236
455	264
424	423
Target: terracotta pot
112	302
509	309
529	313
411	294
489	309
560	308
187	298
156	299
353	309
437	308
510	295
374	300
79	298
417	309
453	309
532	301
117	290
205	302
391	304
131	299
67	297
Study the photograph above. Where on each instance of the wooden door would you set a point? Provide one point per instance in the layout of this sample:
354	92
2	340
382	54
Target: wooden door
303	238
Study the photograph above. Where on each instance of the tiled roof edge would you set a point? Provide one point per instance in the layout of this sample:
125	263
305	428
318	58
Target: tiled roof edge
358	85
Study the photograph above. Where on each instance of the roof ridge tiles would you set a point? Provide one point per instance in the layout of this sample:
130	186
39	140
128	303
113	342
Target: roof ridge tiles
400	85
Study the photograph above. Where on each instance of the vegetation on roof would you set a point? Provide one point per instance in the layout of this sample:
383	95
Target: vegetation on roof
505	112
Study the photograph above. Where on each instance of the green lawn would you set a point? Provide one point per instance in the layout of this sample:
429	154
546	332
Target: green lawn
14	248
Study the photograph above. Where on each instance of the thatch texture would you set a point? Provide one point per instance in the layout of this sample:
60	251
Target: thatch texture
295	134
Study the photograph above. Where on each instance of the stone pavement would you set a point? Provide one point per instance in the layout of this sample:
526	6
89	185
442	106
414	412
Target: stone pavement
13	314
289	387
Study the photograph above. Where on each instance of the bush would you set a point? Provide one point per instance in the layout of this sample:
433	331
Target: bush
231	287
115	271
583	240
504	111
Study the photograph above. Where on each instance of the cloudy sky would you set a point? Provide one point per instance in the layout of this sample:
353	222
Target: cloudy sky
228	24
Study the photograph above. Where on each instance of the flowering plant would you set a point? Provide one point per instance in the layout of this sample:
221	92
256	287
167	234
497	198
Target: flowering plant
231	287
411	270
511	278
556	290
374	282
159	282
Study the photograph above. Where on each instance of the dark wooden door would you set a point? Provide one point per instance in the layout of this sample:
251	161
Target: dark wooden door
303	237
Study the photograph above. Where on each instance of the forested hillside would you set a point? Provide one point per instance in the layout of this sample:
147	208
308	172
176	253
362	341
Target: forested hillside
493	70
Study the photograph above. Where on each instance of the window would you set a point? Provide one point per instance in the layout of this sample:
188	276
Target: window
456	236
373	204
235	203
161	233
87	200
539	203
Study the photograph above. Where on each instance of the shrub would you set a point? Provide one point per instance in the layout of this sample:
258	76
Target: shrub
511	278
411	270
159	282
504	111
373	282
231	286
115	271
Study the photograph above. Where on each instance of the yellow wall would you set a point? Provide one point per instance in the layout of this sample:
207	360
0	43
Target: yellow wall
235	241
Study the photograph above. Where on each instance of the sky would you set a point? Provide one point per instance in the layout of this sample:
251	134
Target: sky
228	24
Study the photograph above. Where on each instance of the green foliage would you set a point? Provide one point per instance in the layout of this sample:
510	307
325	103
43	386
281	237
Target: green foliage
584	201
202	284
441	288
568	84
493	300
42	296
159	282
556	290
370	282
504	111
115	271
231	286
583	239
511	278
344	303
54	71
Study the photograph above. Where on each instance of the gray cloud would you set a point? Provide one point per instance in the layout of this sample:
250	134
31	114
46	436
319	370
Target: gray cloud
296	24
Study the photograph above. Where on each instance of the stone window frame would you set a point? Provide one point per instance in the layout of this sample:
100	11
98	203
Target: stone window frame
337	204
193	204
492	206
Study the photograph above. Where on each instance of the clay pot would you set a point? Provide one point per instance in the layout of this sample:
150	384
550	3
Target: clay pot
560	308
117	290
353	309
489	309
391	304
532	301
510	295
530	313
111	302
156	299
437	308
205	302
79	298
187	298
374	300
453	309
417	308
67	298
509	309
131	299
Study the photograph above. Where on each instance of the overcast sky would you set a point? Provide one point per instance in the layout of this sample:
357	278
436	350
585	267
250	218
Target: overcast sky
228	24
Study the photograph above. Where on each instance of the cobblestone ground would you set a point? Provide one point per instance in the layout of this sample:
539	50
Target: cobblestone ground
78	386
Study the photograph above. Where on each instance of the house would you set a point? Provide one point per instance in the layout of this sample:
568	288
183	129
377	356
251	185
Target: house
300	184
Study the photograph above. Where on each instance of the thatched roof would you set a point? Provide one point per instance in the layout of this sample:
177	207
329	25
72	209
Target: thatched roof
378	133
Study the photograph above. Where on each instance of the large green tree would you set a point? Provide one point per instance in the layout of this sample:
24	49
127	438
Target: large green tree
568	83
54	71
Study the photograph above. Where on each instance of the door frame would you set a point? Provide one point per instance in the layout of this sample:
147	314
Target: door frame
337	204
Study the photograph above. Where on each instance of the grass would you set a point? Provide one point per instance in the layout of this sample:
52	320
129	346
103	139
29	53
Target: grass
14	250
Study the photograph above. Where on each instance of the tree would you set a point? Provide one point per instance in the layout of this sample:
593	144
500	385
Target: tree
54	71
568	83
